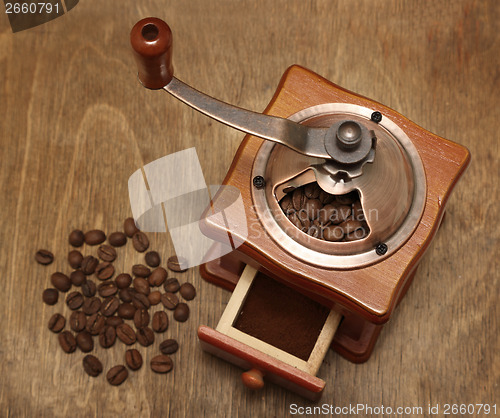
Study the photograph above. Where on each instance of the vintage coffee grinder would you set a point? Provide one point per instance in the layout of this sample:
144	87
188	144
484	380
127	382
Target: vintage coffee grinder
342	198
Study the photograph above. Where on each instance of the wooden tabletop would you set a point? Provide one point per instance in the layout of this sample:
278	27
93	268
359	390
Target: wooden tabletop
75	124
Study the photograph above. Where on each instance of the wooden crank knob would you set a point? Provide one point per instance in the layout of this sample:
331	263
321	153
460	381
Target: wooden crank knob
151	40
253	379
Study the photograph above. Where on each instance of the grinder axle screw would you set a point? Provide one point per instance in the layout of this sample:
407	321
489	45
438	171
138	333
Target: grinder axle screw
381	249
259	182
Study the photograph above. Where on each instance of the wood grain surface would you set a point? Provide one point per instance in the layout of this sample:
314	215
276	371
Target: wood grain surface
75	124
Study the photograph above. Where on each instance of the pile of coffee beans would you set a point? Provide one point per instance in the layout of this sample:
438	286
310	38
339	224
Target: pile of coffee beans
321	215
107	306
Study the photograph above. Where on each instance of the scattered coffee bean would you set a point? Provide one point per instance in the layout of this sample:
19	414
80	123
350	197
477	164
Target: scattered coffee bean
133	359
44	257
114	321
89	288
60	281
92	365
106	253
76	238
140	241
154	297
171	285
140	270
77	278
141	285
50	296
169	346
117	239
177	264
159	322
91	305
104	271
89	264
140	300
107	336
129	227
157	276
141	318
109	306
77	321
181	313
126	334
152	259
57	323
161	363
123	280
84	341
94	237
75	258
125	295
95	324
107	289
67	341
145	336
74	300
117	375
187	291
126	310
169	300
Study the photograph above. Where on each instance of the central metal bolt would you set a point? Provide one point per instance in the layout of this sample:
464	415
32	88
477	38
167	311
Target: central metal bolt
349	135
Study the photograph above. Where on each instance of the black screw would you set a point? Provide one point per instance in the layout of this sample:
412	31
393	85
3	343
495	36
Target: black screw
259	182
381	249
376	117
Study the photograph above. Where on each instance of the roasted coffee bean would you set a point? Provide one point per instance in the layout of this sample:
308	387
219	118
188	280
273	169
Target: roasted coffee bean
89	264
133	359
109	306
356	234
125	295
117	239
106	253
342	213
75	258
117	375
169	346
60	281
350	226
159	322
140	301
312	190
157	276
154	298
74	300
177	264
126	310
44	257
298	198
287	204
67	341
171	285
76	238
91	305
314	231
161	363
312	208
152	259
129	227
57	323
181	313
95	324
141	285
333	233
169	300
325	197
114	321
89	288
141	318
294	219
357	211
140	270
123	280
346	199
187	291
126	334
145	336
84	341
104	271
94	237
77	278
50	296
77	321
92	365
107	336
107	289
140	241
